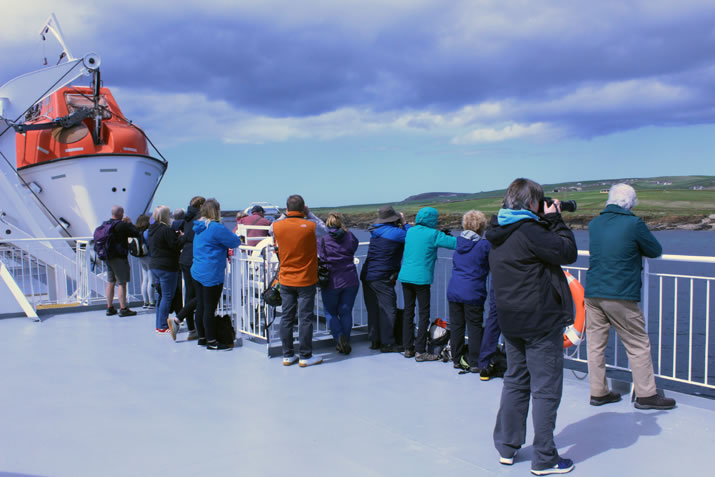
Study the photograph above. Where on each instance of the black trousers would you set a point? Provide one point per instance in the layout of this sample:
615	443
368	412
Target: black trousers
416	294
473	316
381	304
206	302
188	314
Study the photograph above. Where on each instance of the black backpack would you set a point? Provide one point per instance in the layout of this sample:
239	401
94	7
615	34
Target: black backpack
138	246
104	239
225	334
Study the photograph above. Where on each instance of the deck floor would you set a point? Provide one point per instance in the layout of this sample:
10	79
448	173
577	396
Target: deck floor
87	395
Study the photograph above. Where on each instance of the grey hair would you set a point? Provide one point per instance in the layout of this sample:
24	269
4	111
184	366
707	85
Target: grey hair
162	214
622	195
178	214
117	212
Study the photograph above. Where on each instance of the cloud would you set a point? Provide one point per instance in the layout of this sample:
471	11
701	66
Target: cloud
268	70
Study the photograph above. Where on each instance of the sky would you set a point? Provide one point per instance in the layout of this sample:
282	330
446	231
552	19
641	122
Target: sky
362	101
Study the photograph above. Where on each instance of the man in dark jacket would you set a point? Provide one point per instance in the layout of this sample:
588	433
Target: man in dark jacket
617	241
118	271
533	306
378	276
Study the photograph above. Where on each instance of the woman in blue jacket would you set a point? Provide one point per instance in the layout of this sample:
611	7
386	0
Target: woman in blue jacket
467	289
211	244
416	275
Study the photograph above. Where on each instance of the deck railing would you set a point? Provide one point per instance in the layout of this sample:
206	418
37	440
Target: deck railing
677	299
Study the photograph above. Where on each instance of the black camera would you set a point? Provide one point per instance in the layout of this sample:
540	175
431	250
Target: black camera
566	205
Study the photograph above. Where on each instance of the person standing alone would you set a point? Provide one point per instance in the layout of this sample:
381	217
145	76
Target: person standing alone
618	240
120	228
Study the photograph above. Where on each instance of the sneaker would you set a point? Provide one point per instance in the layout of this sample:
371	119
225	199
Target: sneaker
193	335
390	348
290	360
409	353
304	363
476	370
145	306
563	467
508	460
126	312
111	311
215	345
487	373
162	331
655	402
420	357
173	327
202	342
151	305
607	399
375	345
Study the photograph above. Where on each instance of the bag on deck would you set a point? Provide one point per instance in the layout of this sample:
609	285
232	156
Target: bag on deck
225	333
438	340
103	239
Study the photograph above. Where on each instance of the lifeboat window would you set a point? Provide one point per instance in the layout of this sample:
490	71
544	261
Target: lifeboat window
78	101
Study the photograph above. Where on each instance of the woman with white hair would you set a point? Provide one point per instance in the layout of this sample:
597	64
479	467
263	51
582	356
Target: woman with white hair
164	247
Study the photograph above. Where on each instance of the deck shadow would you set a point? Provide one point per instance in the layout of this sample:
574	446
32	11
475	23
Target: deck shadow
605	431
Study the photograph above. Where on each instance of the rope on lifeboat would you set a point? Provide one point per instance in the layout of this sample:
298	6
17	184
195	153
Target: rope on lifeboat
10	126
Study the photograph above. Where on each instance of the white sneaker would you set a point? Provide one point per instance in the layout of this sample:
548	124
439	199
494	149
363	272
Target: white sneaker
289	361
508	460
310	361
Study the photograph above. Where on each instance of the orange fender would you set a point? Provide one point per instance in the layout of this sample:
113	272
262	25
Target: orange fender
574	333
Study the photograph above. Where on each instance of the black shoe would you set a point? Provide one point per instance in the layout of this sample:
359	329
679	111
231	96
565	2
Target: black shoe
375	345
476	370
422	357
343	345
607	399
215	345
202	342
111	311
409	353
126	312
655	402
391	348
487	373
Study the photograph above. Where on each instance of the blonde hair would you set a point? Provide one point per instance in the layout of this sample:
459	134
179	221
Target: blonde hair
335	220
211	210
162	214
475	221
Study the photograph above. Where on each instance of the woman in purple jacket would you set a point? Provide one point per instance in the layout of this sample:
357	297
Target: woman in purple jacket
337	250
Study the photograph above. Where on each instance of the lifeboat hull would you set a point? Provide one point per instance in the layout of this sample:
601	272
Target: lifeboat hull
81	190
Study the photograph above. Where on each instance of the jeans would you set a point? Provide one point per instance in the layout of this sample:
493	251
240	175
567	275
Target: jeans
298	302
190	294
535	368
412	294
206	302
338	306
490	336
471	315
167	285
381	304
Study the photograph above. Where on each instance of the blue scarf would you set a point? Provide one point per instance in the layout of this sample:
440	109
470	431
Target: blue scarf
510	216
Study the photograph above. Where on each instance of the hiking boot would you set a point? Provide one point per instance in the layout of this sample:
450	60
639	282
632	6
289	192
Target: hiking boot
421	357
508	460
111	311
409	353
193	335
564	466
390	348
487	373
173	327
215	345
607	399
312	361
290	360
126	312
342	344
655	402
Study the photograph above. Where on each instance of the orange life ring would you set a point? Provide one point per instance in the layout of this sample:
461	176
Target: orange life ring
574	333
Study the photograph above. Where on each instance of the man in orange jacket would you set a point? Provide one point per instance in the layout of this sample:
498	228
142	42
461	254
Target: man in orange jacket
296	240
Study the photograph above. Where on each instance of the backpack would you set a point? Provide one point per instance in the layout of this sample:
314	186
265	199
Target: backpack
225	334
438	338
138	246
103	239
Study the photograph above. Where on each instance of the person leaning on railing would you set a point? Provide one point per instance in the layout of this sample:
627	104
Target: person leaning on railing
617	242
533	304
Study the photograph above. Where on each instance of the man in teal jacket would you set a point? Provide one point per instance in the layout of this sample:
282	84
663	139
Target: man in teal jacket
618	241
416	275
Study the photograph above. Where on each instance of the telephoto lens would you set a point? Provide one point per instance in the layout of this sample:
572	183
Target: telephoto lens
568	206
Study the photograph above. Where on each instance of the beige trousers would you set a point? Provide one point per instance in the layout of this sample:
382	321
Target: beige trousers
627	319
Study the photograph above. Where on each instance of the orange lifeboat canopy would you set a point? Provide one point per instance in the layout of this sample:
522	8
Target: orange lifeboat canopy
44	145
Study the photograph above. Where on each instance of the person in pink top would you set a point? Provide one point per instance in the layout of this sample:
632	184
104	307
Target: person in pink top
254	236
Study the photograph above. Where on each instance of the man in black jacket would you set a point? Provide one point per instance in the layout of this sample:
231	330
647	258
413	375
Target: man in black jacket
533	306
118	271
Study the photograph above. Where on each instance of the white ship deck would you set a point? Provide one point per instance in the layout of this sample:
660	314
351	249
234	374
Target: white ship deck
87	395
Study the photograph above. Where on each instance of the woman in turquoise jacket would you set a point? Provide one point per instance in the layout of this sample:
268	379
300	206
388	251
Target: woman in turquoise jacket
416	275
